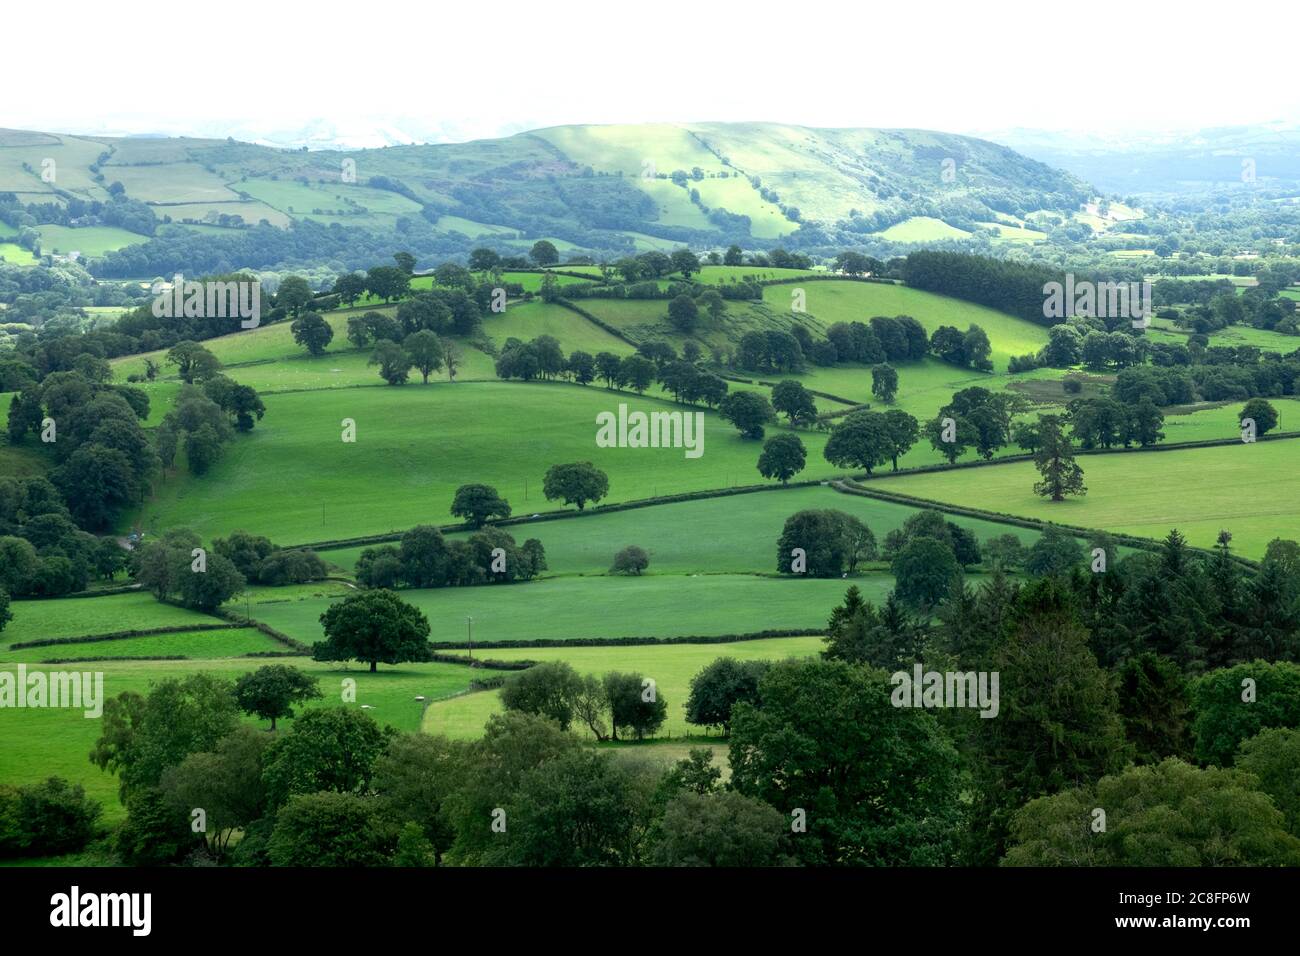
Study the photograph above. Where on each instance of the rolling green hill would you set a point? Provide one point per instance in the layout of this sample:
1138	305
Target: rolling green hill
595	189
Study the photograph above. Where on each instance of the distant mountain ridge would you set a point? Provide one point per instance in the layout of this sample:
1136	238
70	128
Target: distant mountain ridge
602	189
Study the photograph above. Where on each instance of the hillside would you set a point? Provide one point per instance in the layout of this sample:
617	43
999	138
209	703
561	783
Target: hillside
600	190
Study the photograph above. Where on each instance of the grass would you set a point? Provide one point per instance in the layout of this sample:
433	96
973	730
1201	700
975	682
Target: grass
54	742
74	617
921	229
16	255
671	668
605	607
735	535
1249	490
295	480
88	240
234	642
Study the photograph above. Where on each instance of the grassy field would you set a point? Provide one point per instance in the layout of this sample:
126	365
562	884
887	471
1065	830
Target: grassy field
88	240
735	535
233	642
608	607
1249	490
75	617
16	255
671	668
294	479
922	229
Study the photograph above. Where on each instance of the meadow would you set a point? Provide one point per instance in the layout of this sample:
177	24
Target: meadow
1248	489
670	667
563	608
294	479
736	534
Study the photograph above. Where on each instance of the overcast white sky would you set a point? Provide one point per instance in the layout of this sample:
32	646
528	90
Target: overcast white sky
460	70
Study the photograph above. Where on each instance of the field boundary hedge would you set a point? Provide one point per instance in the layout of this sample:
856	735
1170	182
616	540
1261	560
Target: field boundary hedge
297	646
120	635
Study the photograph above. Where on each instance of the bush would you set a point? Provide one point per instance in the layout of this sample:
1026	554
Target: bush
46	819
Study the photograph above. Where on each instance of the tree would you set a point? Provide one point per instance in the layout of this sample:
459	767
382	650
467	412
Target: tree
884	382
388	282
1234	703
393	361
270	692
405	261
293	294
576	483
329	829
1054	553
1058	723
478	504
332	748
734	256
350	287
210	588
800	748
1055	462
607	367
582	366
1263	414
1171	815
98	483
545	689
193	362
685	262
862	440
142	735
630	560
793	400
748	411
783	457
636	373
226	783
483	260
634	704
717	689
544	253
373	626
1273	757
720	829
5	614
424	349
312	332
925	572
903	431
683	313
1153	701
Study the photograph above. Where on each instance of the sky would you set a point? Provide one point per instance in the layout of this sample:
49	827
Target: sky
438	71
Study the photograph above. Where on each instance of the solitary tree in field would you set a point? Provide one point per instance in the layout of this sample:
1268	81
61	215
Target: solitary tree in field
193	362
793	400
884	382
576	483
270	692
1055	461
312	332
748	411
373	626
1262	413
477	504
